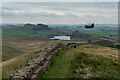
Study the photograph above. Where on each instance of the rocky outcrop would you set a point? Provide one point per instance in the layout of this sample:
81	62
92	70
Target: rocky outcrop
79	36
38	65
41	27
34	27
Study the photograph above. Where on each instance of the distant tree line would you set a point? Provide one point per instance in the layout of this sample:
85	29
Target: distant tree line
41	27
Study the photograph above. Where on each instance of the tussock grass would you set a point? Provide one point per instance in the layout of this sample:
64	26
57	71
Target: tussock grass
10	66
90	64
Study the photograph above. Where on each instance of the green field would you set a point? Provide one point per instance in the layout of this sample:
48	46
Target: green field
14	32
101	33
105	32
41	33
75	63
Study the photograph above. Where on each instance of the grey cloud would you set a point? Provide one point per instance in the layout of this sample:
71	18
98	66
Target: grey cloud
61	9
7	8
25	13
70	15
60	5
45	14
94	16
9	14
71	11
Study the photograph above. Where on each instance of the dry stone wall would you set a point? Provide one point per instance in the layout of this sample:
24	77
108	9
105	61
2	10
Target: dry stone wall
38	65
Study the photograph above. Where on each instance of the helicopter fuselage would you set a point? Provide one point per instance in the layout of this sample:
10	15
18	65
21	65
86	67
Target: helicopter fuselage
91	26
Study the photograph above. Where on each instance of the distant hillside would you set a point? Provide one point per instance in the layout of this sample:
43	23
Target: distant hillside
36	27
78	36
105	43
32	30
9	27
26	27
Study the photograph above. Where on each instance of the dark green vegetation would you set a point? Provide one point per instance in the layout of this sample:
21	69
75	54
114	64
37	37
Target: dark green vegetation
41	27
90	64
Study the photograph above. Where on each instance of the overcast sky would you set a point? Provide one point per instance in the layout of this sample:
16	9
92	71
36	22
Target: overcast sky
60	12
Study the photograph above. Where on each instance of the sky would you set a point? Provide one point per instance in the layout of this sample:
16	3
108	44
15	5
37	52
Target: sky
60	12
60	0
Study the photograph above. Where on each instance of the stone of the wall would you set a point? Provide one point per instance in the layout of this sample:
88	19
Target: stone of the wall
38	65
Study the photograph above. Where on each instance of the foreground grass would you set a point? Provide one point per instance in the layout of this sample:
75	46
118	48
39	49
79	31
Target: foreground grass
61	65
87	66
74	63
10	66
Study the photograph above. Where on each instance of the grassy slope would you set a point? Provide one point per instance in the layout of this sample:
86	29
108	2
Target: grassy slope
17	45
66	63
94	66
15	62
10	66
40	33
